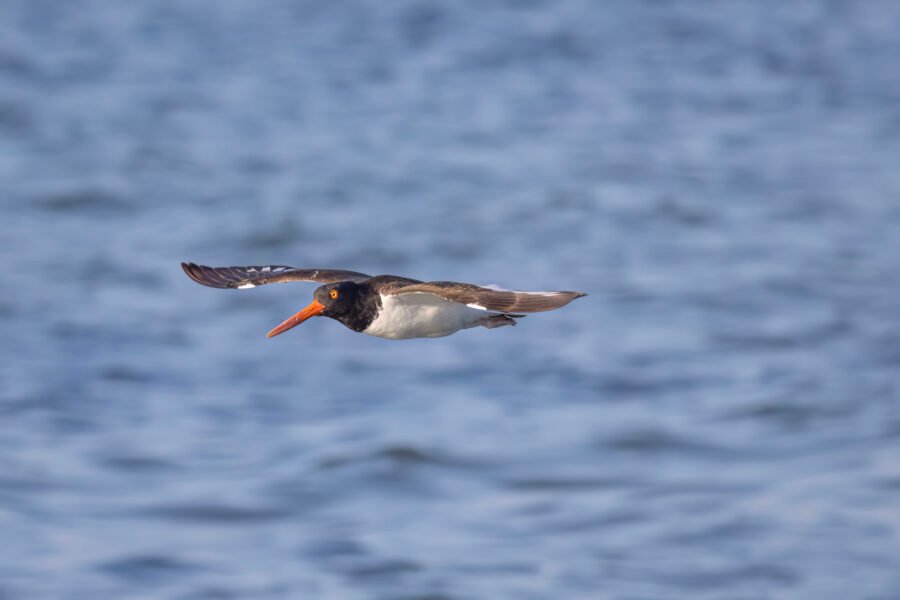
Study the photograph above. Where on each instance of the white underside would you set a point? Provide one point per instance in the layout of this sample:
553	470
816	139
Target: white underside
423	315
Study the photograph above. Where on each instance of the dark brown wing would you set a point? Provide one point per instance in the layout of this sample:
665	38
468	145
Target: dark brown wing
491	299
250	277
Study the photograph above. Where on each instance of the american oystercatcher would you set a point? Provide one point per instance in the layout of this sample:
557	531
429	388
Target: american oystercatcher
389	306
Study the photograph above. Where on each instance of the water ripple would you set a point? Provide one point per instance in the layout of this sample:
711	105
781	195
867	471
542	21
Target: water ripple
717	418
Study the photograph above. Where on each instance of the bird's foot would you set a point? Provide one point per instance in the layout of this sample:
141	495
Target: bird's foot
496	321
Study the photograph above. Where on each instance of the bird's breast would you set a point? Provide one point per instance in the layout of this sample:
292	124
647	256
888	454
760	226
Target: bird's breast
417	315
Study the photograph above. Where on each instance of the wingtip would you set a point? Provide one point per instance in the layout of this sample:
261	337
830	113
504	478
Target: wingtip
198	274
190	269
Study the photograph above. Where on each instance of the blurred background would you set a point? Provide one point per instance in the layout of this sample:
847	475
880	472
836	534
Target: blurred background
719	418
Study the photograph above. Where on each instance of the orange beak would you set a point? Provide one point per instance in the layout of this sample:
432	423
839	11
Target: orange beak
310	311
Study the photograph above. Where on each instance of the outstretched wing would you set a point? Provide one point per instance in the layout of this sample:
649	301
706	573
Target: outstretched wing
483	298
250	277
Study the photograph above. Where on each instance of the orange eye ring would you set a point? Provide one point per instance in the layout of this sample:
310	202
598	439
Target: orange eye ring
333	294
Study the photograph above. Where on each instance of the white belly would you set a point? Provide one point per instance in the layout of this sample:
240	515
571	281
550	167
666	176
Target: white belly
422	315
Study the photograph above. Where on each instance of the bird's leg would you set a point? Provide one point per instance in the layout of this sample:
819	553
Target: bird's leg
493	321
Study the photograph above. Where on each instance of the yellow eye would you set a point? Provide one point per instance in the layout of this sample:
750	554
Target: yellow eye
333	294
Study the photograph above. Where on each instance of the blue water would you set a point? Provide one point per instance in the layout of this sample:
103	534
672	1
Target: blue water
720	418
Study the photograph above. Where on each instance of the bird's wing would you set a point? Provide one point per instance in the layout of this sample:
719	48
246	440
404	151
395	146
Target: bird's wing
250	277
494	299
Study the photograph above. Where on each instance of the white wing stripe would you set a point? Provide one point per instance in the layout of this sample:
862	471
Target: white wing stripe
497	288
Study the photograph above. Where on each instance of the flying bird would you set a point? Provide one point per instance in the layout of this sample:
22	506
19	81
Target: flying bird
389	306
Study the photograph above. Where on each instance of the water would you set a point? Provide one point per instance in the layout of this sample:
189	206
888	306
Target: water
719	418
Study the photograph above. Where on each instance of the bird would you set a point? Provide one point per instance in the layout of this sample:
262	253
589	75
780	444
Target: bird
389	306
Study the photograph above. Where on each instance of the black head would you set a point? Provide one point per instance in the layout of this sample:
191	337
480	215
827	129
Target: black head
336	300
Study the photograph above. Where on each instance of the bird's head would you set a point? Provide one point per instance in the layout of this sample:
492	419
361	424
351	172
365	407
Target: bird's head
333	300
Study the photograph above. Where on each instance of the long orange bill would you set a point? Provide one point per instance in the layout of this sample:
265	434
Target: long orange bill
310	311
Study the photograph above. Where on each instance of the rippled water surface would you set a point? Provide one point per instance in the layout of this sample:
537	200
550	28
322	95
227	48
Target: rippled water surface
718	419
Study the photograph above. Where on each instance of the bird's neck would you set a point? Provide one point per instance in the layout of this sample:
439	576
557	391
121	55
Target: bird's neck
363	312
